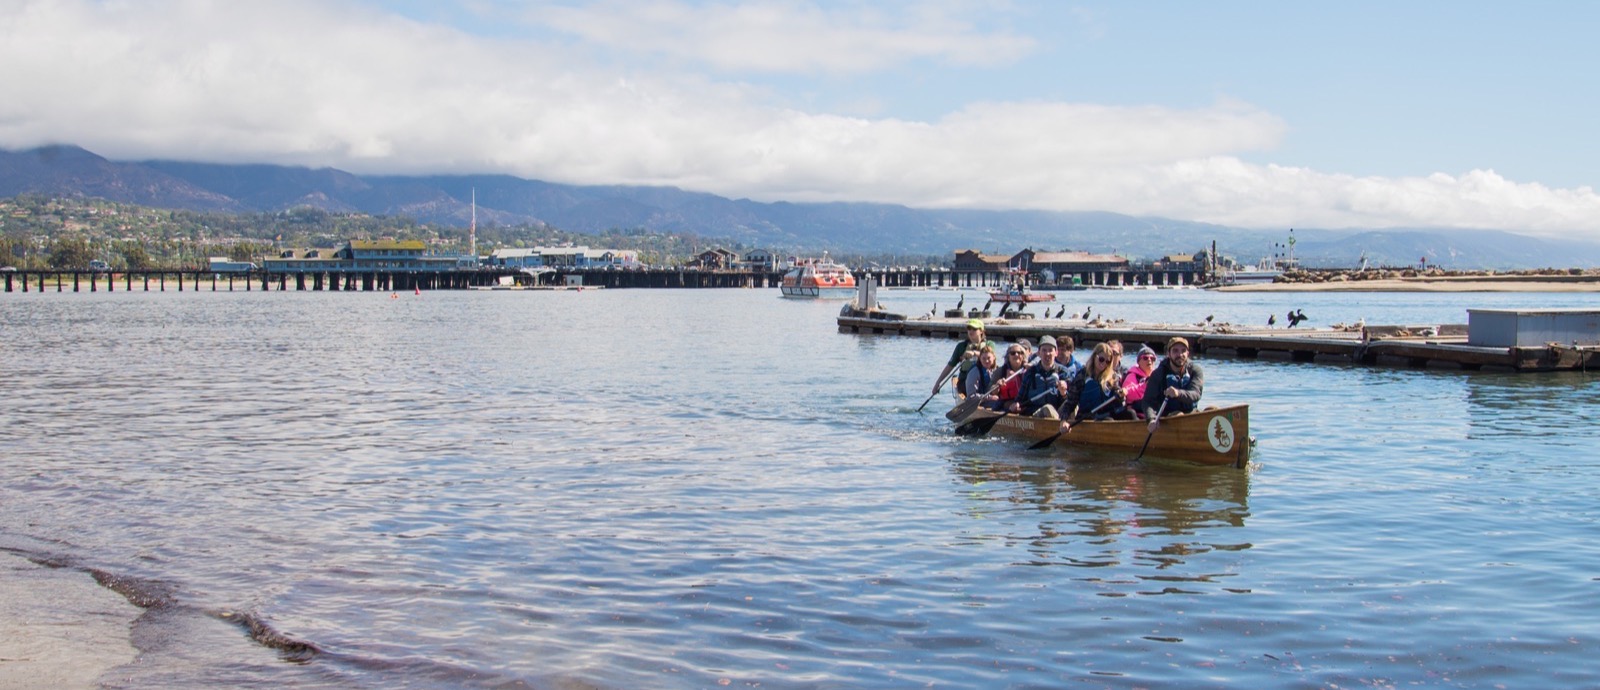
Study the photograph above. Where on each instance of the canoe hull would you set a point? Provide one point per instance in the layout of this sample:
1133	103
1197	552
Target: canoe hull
1215	436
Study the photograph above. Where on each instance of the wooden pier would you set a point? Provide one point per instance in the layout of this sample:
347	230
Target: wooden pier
378	279
1431	346
366	280
162	280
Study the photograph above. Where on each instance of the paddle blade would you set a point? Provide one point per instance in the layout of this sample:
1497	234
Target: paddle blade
1045	443
964	408
977	427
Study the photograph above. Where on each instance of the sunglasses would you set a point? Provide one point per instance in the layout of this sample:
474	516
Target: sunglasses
1147	356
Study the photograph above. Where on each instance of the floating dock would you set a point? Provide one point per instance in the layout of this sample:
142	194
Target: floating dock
1494	340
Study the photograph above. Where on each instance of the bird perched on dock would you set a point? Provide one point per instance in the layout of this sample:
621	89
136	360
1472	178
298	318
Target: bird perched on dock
1061	311
935	310
1209	317
1272	320
961	301
1086	313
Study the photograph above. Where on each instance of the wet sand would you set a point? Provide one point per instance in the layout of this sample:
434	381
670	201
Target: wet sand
1477	284
58	627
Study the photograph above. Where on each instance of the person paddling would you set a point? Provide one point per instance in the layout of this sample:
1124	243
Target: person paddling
963	356
1174	387
1044	385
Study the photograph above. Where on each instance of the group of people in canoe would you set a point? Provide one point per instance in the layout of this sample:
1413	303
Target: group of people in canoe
1047	381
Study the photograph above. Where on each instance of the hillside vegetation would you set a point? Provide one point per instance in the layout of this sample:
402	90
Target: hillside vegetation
41	232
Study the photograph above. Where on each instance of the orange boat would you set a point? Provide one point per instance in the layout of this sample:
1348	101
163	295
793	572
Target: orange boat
818	278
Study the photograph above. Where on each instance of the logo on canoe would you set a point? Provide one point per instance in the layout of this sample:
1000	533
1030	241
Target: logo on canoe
1220	433
1010	422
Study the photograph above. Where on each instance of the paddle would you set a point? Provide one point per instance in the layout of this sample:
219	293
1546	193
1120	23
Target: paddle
965	407
936	389
1046	443
979	427
1153	423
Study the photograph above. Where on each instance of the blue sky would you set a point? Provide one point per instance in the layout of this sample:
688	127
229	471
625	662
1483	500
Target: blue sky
1256	114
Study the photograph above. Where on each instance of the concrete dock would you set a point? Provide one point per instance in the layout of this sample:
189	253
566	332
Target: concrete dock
1441	346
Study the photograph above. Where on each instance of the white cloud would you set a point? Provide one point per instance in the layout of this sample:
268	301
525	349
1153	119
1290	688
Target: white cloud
782	35
301	82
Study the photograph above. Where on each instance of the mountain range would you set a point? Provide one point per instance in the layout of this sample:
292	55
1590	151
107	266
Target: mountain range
855	228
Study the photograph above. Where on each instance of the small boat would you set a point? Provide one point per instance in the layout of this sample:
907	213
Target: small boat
1019	295
1265	272
818	278
1213	436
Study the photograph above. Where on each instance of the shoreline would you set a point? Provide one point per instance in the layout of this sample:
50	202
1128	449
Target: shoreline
59	628
1441	284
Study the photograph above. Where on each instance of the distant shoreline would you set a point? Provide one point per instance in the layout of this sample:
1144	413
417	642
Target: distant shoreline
1513	283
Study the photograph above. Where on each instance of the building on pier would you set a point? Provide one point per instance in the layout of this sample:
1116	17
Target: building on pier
972	268
367	255
563	258
1053	268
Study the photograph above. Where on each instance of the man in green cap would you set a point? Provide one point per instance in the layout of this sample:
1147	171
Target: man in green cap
964	355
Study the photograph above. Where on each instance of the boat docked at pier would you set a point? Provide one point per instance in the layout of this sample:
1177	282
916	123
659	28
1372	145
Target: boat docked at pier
1019	294
1264	272
818	278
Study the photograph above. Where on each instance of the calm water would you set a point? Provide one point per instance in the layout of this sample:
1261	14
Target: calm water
620	489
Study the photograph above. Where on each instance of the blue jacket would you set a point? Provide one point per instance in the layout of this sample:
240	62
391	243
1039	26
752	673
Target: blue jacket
1039	386
1190	385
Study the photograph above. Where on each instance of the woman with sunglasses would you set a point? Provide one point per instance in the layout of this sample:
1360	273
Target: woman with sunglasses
1095	392
1011	386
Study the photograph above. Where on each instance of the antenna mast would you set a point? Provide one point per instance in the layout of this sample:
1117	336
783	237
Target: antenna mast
472	230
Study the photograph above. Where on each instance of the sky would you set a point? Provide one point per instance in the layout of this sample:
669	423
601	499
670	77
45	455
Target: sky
1266	114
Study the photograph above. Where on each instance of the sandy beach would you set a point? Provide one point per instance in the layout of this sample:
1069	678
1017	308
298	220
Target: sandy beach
59	628
1441	284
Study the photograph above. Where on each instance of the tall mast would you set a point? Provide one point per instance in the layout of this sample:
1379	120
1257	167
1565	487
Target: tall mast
472	230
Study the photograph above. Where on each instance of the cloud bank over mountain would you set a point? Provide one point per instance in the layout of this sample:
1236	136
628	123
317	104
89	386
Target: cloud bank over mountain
766	100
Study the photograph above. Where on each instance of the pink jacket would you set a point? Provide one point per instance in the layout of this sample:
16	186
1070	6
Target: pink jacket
1134	383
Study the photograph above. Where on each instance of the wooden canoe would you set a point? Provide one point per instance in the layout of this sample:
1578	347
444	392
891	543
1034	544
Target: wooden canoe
1213	436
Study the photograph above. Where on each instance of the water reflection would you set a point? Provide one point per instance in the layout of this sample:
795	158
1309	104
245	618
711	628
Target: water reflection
1144	523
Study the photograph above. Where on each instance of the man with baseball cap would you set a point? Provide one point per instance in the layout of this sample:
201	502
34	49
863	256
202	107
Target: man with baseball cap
1175	382
1044	385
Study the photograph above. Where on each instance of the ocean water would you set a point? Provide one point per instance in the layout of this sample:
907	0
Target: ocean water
679	488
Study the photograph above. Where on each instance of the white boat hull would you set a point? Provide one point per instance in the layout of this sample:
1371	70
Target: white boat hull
815	291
